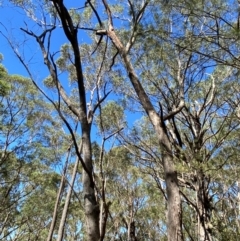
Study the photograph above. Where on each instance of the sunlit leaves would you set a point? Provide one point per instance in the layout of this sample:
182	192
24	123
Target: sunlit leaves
111	117
4	82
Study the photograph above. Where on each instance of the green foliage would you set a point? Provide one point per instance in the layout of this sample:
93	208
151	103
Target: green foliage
31	143
48	82
111	117
4	81
180	51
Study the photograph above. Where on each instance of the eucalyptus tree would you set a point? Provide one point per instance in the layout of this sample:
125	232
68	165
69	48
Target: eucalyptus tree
212	32
129	205
70	60
76	103
134	207
123	49
203	162
131	201
26	147
170	51
172	74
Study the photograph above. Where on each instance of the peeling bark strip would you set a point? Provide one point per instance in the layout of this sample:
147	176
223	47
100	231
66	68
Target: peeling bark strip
173	194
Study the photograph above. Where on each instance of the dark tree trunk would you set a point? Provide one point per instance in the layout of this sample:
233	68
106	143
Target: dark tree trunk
90	203
204	210
133	232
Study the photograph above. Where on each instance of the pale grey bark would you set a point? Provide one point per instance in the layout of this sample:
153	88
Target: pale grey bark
173	194
54	218
67	201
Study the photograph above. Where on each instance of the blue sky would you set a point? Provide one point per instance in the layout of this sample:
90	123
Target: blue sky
11	20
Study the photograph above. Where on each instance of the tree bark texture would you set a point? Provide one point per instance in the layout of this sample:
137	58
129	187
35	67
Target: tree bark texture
204	210
90	203
91	206
133	232
173	194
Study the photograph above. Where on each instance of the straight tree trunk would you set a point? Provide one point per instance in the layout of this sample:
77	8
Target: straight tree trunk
204	210
132	232
174	232
54	218
174	211
91	206
67	202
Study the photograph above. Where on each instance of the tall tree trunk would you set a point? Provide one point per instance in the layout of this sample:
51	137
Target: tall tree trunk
204	210
132	231
174	211
90	203
54	218
174	201
173	194
67	202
